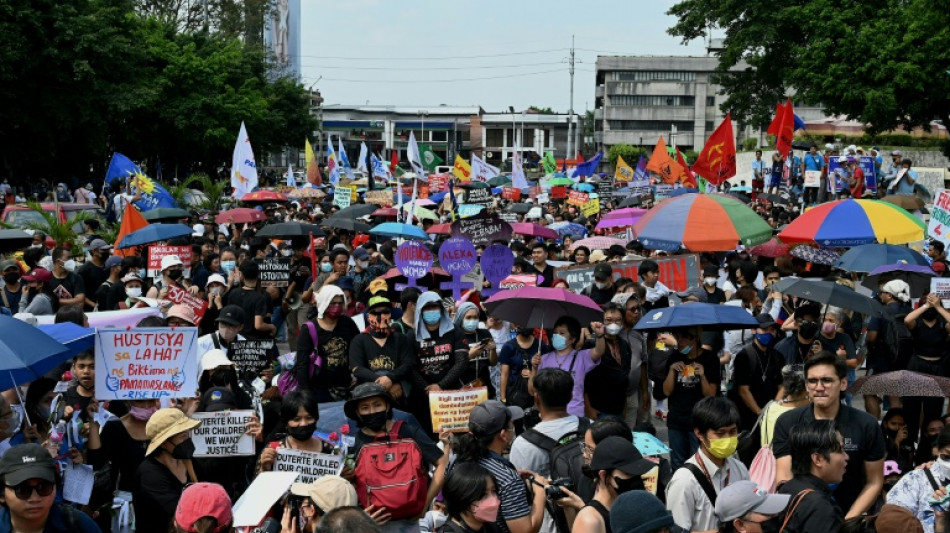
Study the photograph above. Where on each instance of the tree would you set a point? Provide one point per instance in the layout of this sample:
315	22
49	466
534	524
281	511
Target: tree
630	154
541	110
880	62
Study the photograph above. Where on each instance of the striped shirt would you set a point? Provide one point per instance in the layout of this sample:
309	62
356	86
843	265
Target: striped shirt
511	489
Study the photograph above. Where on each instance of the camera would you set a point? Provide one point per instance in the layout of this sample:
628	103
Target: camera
554	492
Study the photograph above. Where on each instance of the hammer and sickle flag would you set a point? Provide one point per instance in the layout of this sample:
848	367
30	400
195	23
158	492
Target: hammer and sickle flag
717	161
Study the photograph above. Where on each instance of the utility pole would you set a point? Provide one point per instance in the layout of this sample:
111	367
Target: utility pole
570	112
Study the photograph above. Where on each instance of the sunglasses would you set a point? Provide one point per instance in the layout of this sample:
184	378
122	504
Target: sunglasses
385	312
24	490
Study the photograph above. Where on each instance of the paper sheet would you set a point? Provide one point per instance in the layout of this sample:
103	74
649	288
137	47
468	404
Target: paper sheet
77	485
267	488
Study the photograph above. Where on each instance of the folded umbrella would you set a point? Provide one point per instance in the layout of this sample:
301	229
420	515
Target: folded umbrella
709	316
26	353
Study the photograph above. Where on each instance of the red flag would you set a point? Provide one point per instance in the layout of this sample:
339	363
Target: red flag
717	160
783	127
394	162
687	180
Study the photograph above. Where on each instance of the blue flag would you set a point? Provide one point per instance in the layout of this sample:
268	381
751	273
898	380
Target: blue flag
588	167
121	167
640	175
153	194
799	124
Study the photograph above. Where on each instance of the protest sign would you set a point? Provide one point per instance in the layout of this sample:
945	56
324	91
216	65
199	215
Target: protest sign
342	196
267	487
577	198
470	210
679	272
438	182
156	253
662	190
939	224
450	409
380	198
517	281
497	261
413	260
275	271
483	228
511	193
251	355
941	288
534	212
223	433
475	277
591	208
480	196
812	178
143	364
543	198
865	162
508	217
558	193
309	466
177	295
457	257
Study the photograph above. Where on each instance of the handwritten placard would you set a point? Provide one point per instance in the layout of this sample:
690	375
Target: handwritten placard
577	198
309	466
223	434
177	295
450	409
342	196
156	253
497	261
143	364
251	355
275	271
511	193
480	196
483	228
940	287
413	260
517	281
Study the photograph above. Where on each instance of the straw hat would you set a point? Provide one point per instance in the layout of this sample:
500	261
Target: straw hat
165	424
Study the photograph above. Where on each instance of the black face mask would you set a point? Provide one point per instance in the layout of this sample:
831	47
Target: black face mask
808	329
185	450
11	278
304	432
772	525
374	421
588	472
32	292
626	485
176	274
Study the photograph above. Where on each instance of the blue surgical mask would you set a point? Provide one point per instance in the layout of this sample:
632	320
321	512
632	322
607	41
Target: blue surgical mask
470	325
142	273
558	341
326	267
765	339
686	350
431	317
227	266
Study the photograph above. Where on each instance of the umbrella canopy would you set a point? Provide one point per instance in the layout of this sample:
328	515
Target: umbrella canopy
162	213
773	248
710	316
701	223
539	307
597	243
500	181
739	196
345	223
396	229
830	293
154	233
286	230
240	215
621	218
630	201
385	212
355	211
870	256
14	239
648	444
26	353
533	230
813	254
559	182
583	187
916	276
683	190
569	228
73	336
906	201
440	229
772	198
854	222
901	383
520	208
263	197
474	185
307	192
420	212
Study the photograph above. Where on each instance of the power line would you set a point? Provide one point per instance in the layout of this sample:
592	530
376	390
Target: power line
523	74
346	67
509	54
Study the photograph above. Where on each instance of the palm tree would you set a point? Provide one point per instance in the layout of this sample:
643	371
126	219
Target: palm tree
213	191
62	233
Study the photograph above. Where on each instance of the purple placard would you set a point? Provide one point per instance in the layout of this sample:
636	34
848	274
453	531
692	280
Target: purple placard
457	256
497	261
413	260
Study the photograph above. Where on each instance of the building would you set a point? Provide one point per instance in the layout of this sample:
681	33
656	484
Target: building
497	134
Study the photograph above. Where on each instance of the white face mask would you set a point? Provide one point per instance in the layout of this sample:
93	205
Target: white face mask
612	329
133	292
363	264
286	253
70	265
710	280
600	284
945	465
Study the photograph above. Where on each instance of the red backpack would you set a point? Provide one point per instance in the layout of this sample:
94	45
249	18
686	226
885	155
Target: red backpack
391	473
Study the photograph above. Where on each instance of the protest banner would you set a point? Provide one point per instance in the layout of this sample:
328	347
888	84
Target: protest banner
812	178
679	272
438	182
508	217
157	252
342	196
511	193
483	228
457	257
591	208
450	408
939	224
941	288
309	466
496	261
414	261
517	281
144	364
470	210
251	355
865	162
380	198
177	295
275	271
223	433
577	198
662	190
558	193
480	196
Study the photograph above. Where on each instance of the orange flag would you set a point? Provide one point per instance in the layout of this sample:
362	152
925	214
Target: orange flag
687	180
132	220
783	127
717	160
661	163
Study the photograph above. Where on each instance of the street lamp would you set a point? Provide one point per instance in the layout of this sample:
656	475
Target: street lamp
423	113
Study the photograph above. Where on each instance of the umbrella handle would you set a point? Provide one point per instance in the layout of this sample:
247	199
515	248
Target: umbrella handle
20	397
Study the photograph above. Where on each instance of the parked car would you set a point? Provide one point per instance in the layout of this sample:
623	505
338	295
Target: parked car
21	216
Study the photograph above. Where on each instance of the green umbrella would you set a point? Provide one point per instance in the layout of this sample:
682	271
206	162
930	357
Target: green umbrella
559	182
162	213
474	185
500	181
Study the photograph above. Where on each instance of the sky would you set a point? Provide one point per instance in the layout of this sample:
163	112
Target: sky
492	53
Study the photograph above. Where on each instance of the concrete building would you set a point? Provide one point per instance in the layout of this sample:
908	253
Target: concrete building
497	134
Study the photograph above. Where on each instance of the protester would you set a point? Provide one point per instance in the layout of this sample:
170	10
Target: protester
299	413
743	507
204	508
758	372
915	489
639	511
381	355
566	356
327	335
321	497
482	355
929	326
37	297
818	464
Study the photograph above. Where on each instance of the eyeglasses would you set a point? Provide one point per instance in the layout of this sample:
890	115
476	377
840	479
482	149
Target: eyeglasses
827	382
24	490
633	310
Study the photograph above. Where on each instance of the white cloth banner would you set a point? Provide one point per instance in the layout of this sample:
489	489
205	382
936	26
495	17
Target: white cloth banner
415	158
482	171
518	179
243	166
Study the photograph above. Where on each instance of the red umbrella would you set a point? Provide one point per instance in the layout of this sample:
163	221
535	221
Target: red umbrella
263	197
240	215
531	229
440	229
385	212
773	248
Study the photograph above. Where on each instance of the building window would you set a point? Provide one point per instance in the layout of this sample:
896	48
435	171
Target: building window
710	125
440	136
651	75
651	125
658	100
493	138
710	101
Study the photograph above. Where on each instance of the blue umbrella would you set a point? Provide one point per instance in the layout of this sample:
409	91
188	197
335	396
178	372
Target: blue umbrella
73	336
710	316
398	229
569	228
583	187
648	444
438	197
26	353
154	233
867	257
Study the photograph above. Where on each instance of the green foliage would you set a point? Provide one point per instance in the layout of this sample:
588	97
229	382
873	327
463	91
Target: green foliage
61	232
881	62
630	154
750	144
213	190
690	156
541	110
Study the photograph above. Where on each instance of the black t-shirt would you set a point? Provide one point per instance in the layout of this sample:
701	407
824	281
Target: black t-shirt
817	511
687	388
369	360
254	304
930	341
119	447
761	371
601	296
92	277
69	287
606	384
299	273
478	367
430	451
547	274
334	348
863	442
717	296
441	359
155	497
77	401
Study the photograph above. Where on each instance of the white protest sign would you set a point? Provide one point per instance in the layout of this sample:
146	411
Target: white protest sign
940	287
939	224
223	434
342	196
265	490
147	363
308	465
78	482
812	179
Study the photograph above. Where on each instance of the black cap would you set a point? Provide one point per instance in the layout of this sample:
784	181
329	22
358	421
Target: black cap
603	271
218	399
617	453
362	392
710	270
765	320
27	461
491	416
232	314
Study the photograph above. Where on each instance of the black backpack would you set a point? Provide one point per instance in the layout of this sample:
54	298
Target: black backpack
898	341
657	369
566	457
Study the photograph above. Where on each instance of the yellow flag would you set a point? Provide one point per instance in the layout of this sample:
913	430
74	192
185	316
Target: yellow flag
624	172
461	169
313	170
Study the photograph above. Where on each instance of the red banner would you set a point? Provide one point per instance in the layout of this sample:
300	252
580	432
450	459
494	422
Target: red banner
438	182
178	295
558	192
511	193
577	198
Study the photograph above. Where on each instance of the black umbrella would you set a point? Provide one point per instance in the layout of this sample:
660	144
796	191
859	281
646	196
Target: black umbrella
165	213
630	201
830	293
739	196
346	223
519	208
286	230
12	240
355	211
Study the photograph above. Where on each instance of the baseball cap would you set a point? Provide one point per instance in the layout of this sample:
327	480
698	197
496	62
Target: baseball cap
377	301
183	312
232	314
171	260
360	253
131	276
490	417
38	274
27	461
711	271
378	285
745	496
7	264
765	320
897	152
99	244
603	271
113	261
216	278
218	399
200	500
346	284
617	453
328	492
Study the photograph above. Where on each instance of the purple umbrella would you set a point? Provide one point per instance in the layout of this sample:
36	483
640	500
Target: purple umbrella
621	218
917	276
539	307
901	383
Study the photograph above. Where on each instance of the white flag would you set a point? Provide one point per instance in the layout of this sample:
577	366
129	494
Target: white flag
415	159
379	169
344	160
482	171
518	179
361	163
243	167
291	181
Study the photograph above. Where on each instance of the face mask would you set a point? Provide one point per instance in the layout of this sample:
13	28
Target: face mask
600	284
558	341
724	447
227	266
333	311
133	292
765	339
710	281
626	485
470	325
302	432
142	273
185	450
220	377
362	264
686	350
431	317
215	291
176	274
227	334
70	265
326	267
286	253
808	330
487	509
142	413
612	329
944	465
11	278
829	328
374	421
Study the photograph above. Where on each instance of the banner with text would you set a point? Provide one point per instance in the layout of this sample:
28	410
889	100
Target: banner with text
177	295
138	365
223	434
309	466
275	271
679	272
156	253
450	409
940	217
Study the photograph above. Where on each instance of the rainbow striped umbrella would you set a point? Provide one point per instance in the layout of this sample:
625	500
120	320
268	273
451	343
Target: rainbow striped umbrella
845	223
701	223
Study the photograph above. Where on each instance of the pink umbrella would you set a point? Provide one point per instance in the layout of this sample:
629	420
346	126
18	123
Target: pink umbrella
616	221
598	243
533	230
626	212
773	248
538	307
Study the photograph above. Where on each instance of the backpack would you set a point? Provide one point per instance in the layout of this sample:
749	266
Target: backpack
657	369
898	341
288	379
566	458
391	473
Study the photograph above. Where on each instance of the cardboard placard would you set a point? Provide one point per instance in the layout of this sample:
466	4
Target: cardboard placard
679	272
251	355
223	434
592	207
177	295
450	409
939	225
275	271
941	288
438	182
381	198
343	196
511	193
309	466
157	252
147	363
577	198
483	228
558	193
813	178
480	196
